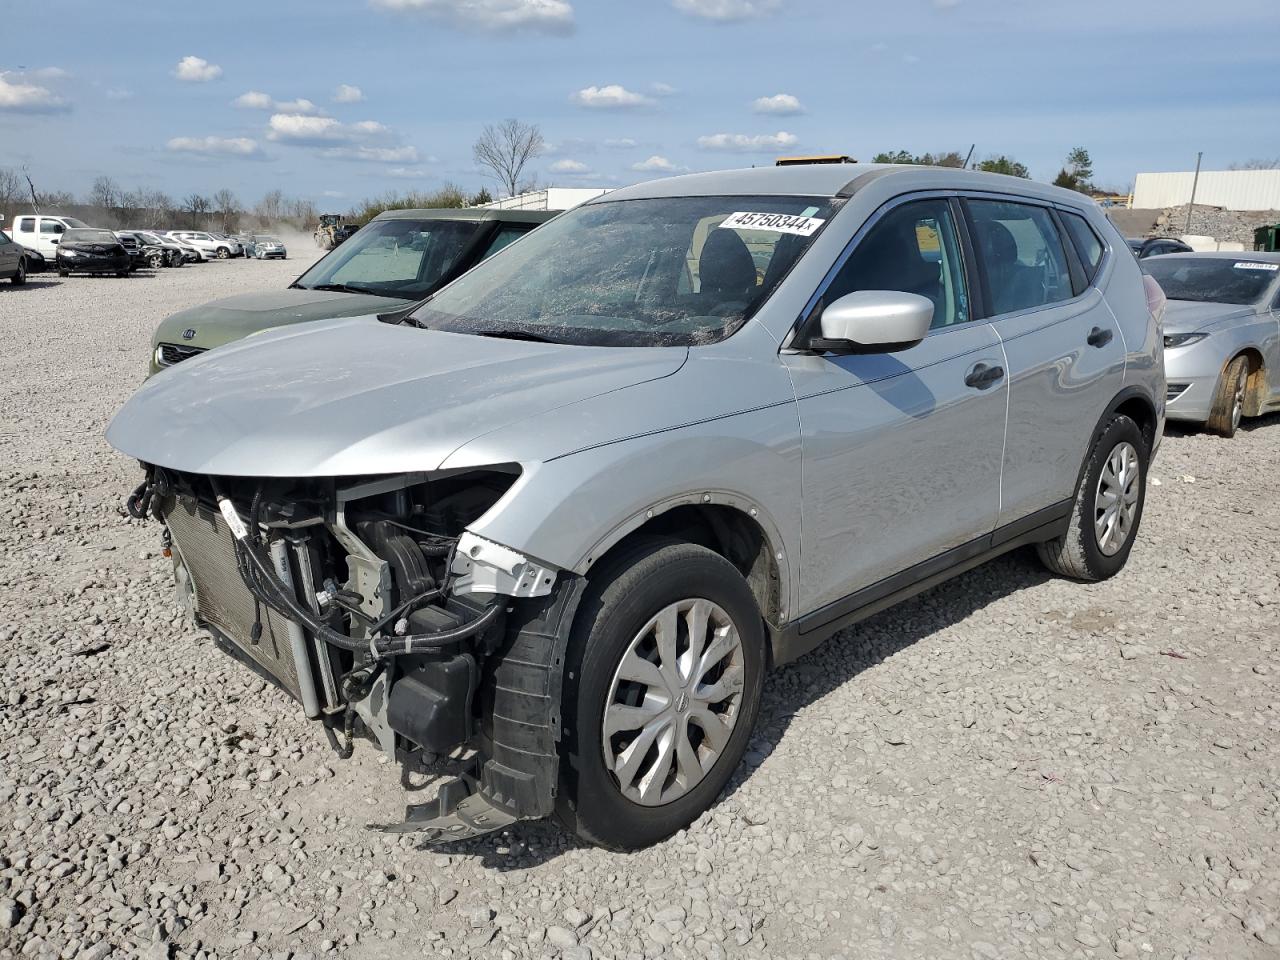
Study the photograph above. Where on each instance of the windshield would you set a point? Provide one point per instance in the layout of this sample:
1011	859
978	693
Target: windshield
1212	280
89	236
660	272
393	258
73	222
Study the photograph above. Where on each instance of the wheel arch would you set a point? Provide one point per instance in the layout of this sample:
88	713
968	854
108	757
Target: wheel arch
1256	388
1136	404
727	524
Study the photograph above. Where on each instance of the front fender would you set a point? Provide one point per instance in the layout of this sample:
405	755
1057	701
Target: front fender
569	511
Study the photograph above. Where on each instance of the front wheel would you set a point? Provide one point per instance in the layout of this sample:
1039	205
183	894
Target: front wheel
20	277
1228	400
662	688
223	253
155	261
1108	506
64	273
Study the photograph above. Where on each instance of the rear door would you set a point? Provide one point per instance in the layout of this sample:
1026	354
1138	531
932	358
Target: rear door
901	450
9	255
1065	352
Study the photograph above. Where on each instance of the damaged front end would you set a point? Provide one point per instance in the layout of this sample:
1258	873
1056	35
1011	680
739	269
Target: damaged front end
368	601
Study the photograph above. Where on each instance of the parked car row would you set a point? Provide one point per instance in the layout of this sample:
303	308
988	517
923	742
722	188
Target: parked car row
557	496
45	242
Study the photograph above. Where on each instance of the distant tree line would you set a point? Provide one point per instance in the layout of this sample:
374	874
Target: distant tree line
1076	173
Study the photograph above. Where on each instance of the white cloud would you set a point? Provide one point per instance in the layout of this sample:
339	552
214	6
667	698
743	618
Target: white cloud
346	93
746	143
254	100
367	140
610	97
727	11
663	89
373	154
496	16
656	164
119	93
408	173
196	70
576	167
621	143
47	73
215	146
946	4
257	100
333	194
780	104
17	96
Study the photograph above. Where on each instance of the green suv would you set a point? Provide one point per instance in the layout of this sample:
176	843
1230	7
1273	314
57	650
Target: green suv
397	259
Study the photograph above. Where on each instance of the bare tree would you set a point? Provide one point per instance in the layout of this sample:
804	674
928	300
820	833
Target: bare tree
11	191
197	206
105	194
270	208
158	209
504	150
227	207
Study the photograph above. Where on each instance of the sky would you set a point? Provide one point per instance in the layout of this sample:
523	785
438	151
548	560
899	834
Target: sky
336	100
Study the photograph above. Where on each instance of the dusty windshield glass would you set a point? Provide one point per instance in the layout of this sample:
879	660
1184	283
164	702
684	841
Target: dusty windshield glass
393	258
659	272
1212	280
90	236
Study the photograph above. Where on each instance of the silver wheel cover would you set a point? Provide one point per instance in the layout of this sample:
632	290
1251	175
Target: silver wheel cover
1115	503
1237	399
674	702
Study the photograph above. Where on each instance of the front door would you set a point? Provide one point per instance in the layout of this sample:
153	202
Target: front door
902	451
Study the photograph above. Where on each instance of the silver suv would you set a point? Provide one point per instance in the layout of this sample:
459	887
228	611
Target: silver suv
553	525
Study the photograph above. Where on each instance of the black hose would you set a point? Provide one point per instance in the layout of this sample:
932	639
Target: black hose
263	584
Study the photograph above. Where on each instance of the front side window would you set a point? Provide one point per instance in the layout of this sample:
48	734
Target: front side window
393	258
1088	247
913	249
51	226
1021	250
1212	279
672	271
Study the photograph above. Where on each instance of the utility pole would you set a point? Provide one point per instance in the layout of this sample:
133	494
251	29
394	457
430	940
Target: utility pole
1194	184
972	147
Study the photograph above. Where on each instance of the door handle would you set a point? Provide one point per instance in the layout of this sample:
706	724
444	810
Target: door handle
1099	337
983	376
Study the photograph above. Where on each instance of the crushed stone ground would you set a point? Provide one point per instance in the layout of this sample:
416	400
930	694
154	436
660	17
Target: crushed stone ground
1009	765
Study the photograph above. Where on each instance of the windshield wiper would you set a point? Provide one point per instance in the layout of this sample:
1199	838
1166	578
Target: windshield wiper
513	335
351	288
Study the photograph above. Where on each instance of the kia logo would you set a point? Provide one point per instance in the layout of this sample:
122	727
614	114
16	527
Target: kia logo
188	333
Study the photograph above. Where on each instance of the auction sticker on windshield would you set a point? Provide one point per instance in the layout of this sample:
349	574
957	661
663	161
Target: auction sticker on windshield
774	222
1247	265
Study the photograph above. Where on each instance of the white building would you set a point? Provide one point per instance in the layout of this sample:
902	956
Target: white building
552	198
1230	189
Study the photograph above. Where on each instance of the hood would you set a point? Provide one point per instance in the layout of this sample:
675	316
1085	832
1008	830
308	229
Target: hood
222	321
360	396
1188	316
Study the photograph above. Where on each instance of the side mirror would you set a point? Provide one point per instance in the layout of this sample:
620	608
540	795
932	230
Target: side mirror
873	321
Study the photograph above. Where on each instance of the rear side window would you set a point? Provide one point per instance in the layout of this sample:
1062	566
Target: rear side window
26	225
1088	246
1022	255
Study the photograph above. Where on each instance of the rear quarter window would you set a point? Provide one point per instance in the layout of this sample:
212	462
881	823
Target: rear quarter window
1089	247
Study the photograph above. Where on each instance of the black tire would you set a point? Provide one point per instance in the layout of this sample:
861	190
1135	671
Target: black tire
223	253
64	273
20	277
624	594
122	274
1229	399
1078	553
155	261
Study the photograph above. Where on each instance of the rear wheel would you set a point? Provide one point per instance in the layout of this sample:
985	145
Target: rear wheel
20	277
1108	506
64	273
155	261
1228	401
223	253
662	687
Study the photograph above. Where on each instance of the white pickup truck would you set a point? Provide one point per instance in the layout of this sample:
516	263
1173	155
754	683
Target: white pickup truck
41	232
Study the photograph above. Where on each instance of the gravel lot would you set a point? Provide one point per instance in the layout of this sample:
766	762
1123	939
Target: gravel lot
1007	766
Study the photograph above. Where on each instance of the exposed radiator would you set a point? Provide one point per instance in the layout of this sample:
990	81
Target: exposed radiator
204	544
